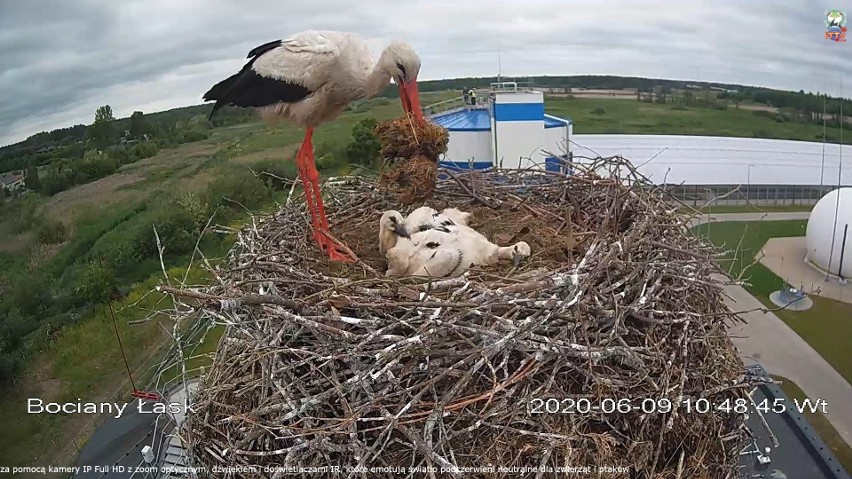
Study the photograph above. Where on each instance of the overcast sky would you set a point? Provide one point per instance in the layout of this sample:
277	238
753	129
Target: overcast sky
60	59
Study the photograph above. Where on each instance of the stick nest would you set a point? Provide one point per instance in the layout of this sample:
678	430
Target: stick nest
335	365
410	151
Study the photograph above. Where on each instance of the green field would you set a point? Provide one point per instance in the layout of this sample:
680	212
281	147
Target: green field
826	326
634	117
829	435
103	218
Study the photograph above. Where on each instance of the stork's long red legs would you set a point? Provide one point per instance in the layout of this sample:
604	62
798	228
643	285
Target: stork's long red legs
310	180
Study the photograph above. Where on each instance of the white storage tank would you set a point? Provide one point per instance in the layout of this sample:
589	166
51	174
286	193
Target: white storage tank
829	239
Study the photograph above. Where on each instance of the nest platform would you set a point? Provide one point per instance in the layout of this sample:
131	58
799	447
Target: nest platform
334	365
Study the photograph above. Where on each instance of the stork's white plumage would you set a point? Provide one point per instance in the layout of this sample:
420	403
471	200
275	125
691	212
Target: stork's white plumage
310	78
425	217
448	250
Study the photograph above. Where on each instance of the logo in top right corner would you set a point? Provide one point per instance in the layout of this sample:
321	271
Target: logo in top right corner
835	23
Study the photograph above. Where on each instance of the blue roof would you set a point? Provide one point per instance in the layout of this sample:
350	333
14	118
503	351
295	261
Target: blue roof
465	120
480	120
551	121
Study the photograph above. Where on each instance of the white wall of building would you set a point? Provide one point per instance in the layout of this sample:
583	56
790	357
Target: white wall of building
465	146
825	236
518	142
708	160
556	140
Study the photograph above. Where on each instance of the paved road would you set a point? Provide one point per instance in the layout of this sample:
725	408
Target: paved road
780	350
772	216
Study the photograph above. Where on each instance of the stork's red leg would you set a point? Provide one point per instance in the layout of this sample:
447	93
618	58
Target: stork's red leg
319	220
301	166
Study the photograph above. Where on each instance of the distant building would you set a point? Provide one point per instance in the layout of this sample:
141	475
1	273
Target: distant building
12	180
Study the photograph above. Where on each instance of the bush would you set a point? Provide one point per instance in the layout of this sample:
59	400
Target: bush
144	150
280	168
177	229
599	111
96	282
194	135
330	155
238	184
364	147
51	232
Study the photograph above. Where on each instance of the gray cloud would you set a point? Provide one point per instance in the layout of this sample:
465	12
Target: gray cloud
60	60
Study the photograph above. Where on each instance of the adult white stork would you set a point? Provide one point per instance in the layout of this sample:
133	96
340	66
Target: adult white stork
310	78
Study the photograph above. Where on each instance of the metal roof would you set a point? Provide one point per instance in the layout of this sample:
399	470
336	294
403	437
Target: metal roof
551	121
800	452
464	120
479	119
711	160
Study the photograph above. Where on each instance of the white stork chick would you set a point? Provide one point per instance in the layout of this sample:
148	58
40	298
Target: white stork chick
309	79
391	227
423	254
438	253
424	218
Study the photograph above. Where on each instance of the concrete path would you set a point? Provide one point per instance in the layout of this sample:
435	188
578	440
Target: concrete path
786	258
764	338
769	216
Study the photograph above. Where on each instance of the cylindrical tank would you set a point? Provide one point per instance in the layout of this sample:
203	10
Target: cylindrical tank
829	233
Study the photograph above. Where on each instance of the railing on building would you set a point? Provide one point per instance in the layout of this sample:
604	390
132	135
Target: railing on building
735	195
482	96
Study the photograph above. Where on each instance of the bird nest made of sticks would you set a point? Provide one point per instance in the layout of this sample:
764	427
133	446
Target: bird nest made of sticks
410	152
583	356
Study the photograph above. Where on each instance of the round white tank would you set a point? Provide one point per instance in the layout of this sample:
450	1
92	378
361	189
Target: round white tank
823	230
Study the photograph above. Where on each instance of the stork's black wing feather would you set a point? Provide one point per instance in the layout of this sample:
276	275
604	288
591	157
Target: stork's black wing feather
249	89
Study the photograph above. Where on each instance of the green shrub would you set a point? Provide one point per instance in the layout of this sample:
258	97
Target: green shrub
194	135
144	150
51	232
177	229
599	111
95	282
278	167
240	185
364	147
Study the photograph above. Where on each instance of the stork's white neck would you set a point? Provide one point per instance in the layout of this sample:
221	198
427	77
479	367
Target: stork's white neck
379	78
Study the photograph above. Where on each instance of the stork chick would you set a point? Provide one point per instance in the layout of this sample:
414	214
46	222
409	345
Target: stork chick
391	227
425	217
438	253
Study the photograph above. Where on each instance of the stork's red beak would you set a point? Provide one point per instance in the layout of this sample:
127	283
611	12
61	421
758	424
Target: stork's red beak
410	98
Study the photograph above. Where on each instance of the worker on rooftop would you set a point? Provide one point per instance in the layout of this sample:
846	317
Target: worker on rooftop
466	94
472	97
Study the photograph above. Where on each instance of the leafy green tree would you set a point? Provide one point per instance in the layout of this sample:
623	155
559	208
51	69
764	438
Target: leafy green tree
96	282
138	125
365	147
31	180
102	132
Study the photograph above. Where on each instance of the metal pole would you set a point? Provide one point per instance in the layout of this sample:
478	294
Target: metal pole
822	168
839	184
748	184
842	251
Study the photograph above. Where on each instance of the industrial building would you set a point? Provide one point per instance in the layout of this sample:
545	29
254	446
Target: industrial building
698	169
507	129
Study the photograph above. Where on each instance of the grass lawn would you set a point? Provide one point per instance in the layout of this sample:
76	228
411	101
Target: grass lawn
634	117
841	450
826	326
